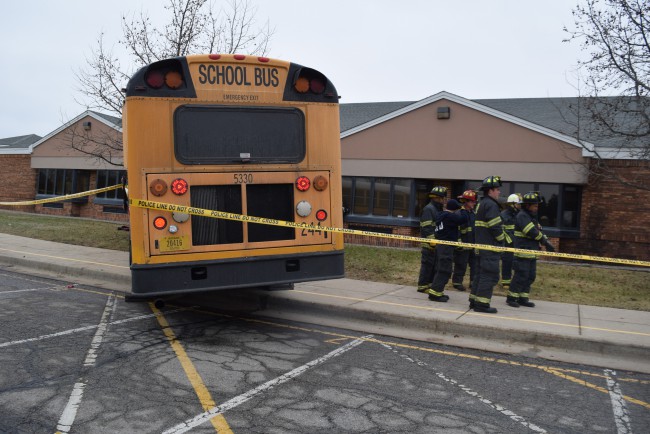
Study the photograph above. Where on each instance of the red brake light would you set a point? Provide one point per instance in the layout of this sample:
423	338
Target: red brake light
158	187
321	215
302	183
160	222
317	85
179	186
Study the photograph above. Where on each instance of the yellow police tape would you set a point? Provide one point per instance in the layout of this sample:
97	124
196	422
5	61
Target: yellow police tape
160	206
62	198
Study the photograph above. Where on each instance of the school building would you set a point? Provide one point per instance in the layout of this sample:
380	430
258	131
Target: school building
393	153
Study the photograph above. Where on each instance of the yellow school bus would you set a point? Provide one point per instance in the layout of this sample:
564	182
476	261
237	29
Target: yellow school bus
239	134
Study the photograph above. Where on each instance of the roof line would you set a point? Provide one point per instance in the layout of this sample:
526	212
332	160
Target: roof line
90	113
585	146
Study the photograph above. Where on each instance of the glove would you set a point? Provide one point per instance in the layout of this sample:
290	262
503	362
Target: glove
548	245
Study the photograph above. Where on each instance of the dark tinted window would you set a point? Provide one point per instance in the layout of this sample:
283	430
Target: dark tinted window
226	135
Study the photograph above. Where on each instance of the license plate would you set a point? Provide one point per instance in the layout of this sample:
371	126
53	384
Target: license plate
174	244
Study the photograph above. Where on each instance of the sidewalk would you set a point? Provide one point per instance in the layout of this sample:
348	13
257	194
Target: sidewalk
613	338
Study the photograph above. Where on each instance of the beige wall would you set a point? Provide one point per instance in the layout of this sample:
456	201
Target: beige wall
57	152
469	145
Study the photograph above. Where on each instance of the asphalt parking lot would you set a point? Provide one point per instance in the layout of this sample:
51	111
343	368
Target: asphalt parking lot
77	358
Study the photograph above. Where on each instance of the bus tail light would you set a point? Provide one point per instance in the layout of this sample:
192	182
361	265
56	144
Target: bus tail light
160	223
303	209
179	186
158	187
321	215
320	183
307	79
167	73
303	183
155	79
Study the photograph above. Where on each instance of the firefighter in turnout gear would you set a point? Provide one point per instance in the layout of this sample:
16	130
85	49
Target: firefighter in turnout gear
427	230
529	236
464	256
488	229
508	216
447	224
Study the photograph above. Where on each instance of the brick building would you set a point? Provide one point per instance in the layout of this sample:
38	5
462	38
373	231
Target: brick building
61	163
393	153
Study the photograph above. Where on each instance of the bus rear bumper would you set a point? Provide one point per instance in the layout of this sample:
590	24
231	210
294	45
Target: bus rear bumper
262	271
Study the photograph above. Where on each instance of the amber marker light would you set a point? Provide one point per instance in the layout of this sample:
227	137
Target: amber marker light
320	183
160	223
173	79
303	183
302	85
179	186
158	187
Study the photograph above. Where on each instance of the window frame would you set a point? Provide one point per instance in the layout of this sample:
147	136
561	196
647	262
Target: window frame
63	179
406	220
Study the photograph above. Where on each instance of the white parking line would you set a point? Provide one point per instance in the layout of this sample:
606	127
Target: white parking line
70	411
82	329
501	409
238	400
621	415
27	290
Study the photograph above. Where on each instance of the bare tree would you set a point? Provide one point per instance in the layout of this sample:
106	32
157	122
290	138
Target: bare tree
194	27
613	107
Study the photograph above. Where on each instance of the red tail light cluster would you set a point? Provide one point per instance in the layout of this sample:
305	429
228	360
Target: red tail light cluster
309	80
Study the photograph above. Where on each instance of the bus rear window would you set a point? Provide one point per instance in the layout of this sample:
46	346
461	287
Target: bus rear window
231	134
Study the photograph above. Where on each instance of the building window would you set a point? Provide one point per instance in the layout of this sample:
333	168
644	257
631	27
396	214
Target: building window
108	178
59	182
559	214
379	200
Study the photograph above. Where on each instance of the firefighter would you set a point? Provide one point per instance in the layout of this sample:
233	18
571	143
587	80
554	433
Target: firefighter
464	256
513	205
427	230
488	229
529	236
447	224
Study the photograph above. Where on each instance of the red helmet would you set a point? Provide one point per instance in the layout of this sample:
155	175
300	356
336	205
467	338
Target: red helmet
468	195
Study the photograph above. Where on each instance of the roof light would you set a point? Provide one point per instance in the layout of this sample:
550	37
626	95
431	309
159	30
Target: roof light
160	223
173	79
263	59
321	215
301	85
317	85
302	183
179	186
214	56
158	187
239	57
155	79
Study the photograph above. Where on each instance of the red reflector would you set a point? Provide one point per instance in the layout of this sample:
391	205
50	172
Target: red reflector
320	183
155	79
302	183
239	57
215	56
317	85
179	186
263	59
321	215
160	222
158	187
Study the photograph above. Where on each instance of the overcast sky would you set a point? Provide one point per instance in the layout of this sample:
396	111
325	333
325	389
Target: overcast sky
372	50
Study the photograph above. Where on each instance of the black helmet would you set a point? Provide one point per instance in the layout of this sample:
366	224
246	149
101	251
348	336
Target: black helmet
491	182
532	197
439	191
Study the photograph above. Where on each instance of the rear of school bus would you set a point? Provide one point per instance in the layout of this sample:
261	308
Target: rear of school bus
245	135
